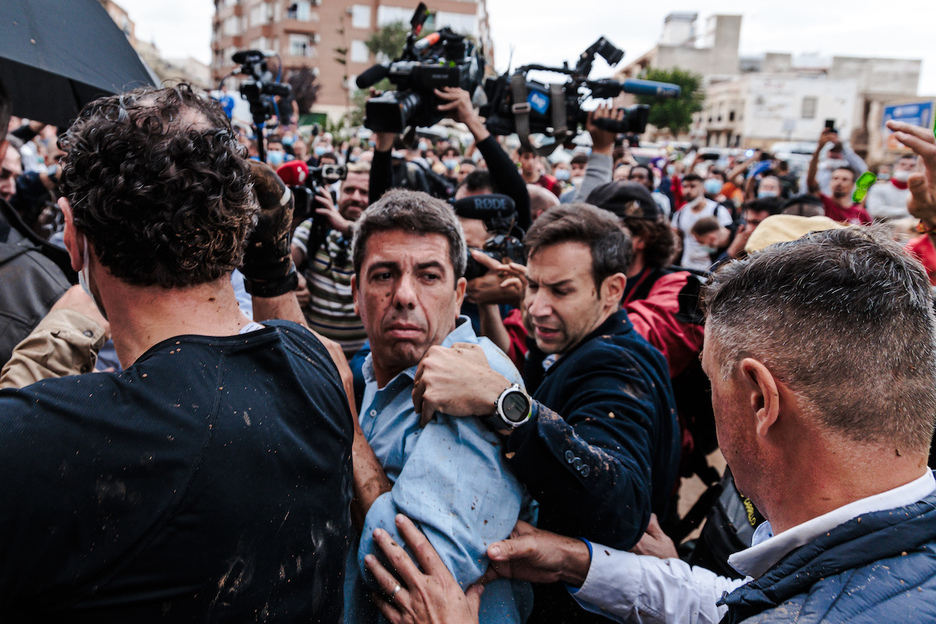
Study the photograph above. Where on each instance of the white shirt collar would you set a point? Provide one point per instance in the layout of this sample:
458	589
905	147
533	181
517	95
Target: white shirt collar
767	548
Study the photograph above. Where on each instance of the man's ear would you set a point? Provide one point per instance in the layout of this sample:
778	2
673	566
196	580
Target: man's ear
764	394
75	249
354	293
3	148
612	289
460	287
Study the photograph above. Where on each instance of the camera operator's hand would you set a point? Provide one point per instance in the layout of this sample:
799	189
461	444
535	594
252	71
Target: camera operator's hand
268	266
494	286
602	140
460	109
328	210
922	200
383	141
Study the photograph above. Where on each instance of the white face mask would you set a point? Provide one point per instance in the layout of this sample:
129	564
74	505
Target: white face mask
83	273
901	176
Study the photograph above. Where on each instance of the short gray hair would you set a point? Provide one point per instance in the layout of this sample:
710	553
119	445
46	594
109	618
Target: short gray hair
410	211
845	318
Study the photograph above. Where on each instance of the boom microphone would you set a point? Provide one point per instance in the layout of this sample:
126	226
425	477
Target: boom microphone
371	76
484	206
650	87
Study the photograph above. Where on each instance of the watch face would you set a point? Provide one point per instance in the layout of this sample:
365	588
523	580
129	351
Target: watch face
516	407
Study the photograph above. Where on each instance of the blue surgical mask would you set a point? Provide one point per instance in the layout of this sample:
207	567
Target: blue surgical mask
709	250
713	186
670	169
275	158
762	194
450	163
319	150
562	174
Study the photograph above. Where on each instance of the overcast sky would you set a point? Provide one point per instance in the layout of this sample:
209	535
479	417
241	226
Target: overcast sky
548	31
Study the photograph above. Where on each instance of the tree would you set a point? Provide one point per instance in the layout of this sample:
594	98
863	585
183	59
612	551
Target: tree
304	88
388	41
675	114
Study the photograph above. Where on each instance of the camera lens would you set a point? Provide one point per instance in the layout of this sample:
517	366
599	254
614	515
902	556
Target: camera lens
393	111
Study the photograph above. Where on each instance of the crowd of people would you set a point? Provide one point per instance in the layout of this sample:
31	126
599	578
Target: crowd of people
370	380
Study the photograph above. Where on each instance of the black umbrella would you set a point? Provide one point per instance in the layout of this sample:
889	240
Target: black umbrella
57	56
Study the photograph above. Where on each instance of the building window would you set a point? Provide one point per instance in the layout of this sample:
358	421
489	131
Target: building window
390	14
299	45
257	16
359	52
299	10
810	104
731	116
360	16
232	26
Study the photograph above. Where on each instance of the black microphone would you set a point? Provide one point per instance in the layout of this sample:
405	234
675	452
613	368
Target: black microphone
371	76
484	206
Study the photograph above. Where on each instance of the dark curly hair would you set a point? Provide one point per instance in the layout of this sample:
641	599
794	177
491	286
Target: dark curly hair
158	183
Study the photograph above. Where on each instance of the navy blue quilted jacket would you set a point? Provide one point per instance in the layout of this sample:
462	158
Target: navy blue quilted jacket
875	569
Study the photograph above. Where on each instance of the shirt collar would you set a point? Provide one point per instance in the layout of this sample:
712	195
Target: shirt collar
767	549
462	333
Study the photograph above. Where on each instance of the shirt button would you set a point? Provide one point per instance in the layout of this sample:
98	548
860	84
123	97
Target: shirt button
373	412
569	457
585	470
577	464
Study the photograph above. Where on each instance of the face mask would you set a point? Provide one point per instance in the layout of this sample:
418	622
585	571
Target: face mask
562	174
900	176
83	273
709	250
353	158
319	150
761	194
288	140
450	163
423	147
275	158
670	169
713	187
577	180
372	143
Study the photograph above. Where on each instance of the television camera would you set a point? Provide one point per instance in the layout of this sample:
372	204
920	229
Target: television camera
518	104
259	89
441	59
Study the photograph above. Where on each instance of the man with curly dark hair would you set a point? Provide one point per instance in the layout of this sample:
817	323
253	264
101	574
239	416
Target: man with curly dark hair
210	480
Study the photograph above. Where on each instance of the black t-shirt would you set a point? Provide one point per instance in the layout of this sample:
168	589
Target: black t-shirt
210	482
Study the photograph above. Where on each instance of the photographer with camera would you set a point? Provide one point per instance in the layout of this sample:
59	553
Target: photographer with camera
504	176
321	249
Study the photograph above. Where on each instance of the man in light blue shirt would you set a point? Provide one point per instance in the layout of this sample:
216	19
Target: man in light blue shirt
449	476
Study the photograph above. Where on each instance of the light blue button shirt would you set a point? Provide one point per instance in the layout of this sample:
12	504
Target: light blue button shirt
450	477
